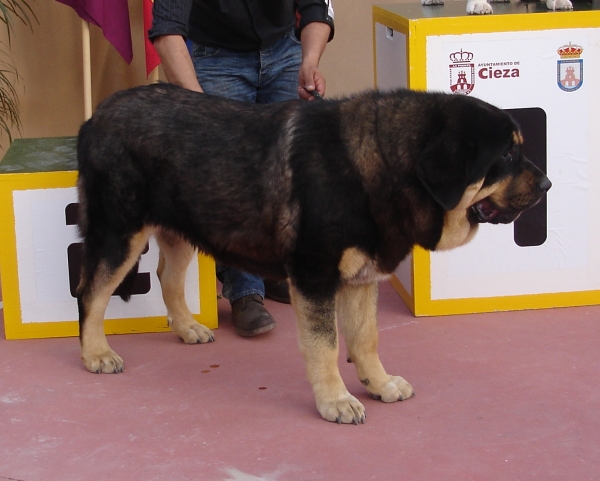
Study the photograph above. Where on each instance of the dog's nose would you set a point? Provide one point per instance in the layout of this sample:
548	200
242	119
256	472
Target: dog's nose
544	185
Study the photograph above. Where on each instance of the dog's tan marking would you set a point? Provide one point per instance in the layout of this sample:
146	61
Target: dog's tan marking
357	268
357	314
517	137
352	261
361	138
490	190
334	402
96	354
457	229
174	259
497	192
518	192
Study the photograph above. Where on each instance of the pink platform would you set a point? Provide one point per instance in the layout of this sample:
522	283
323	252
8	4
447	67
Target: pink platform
506	396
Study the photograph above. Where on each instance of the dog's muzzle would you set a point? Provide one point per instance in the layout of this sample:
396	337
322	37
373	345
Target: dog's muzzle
485	211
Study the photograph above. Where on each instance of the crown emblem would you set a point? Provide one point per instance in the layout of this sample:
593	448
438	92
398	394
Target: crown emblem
570	51
461	56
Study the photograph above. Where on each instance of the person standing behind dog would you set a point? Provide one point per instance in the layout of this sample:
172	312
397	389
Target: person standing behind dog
246	50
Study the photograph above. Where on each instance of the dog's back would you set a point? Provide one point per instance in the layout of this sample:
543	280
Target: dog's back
188	165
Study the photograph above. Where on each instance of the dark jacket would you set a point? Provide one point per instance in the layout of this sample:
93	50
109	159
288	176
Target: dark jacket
237	24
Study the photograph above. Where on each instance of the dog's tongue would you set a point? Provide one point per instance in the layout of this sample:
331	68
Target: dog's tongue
485	210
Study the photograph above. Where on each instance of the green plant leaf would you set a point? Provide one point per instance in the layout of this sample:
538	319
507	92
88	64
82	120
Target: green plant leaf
9	100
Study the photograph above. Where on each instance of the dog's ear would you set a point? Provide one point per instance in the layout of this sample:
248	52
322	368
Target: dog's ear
443	169
469	139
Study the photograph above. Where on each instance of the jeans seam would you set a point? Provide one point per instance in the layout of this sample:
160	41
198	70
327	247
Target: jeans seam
206	53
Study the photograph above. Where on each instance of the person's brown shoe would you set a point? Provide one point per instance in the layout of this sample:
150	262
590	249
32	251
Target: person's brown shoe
250	317
278	291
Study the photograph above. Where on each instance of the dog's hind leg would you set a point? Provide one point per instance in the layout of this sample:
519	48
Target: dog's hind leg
319	343
357	314
174	259
94	292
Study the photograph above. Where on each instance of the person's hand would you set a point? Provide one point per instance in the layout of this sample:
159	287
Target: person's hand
311	83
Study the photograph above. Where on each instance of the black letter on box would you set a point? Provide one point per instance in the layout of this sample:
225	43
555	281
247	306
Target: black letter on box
134	283
531	228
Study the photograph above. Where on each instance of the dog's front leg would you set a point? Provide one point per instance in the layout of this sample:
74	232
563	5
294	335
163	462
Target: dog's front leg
357	314
318	342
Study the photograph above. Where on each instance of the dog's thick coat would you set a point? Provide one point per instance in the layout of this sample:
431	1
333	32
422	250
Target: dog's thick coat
332	194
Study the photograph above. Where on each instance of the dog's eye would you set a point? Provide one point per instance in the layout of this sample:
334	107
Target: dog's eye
508	157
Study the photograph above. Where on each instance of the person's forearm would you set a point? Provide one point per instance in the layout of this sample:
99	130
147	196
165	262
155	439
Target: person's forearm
176	61
313	38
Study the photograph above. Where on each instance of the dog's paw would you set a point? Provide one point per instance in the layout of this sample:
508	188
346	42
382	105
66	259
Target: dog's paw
194	333
395	389
559	5
479	7
107	362
344	410
432	2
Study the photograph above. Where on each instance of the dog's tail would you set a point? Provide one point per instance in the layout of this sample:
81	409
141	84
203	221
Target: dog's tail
83	149
88	195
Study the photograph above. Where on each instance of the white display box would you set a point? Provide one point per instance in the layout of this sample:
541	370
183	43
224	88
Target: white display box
39	247
544	68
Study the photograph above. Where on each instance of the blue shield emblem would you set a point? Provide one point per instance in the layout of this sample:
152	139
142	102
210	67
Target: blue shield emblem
570	74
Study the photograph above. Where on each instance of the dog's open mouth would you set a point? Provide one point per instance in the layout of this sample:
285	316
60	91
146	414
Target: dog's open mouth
484	211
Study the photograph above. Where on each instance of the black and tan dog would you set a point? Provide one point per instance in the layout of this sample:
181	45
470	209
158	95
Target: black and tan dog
332	194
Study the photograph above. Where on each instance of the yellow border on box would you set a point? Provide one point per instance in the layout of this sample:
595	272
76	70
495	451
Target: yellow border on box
416	32
15	329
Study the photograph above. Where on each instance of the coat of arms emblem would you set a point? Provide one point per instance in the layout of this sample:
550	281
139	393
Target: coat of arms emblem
462	73
570	67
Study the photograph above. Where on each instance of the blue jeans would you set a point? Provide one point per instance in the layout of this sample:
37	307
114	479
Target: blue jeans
264	76
260	76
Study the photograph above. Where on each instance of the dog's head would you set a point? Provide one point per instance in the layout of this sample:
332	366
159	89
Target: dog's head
474	168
